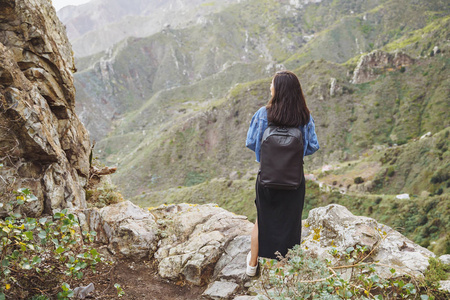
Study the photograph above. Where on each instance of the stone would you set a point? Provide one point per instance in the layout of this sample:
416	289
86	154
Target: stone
334	87
128	230
402	196
82	291
368	185
221	290
428	134
46	144
436	50
444	285
195	240
335	227
232	264
445	259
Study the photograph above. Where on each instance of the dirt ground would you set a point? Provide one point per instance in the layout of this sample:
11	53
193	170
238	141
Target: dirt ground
139	280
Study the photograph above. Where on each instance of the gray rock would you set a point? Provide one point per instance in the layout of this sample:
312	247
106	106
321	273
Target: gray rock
334	226
82	291
445	285
364	71
232	264
195	240
128	230
221	290
445	259
245	298
46	144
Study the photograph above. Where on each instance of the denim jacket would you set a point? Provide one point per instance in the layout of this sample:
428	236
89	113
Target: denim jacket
259	123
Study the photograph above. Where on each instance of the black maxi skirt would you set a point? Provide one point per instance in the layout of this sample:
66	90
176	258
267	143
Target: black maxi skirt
279	216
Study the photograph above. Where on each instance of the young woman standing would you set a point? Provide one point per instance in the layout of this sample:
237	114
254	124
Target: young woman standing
279	212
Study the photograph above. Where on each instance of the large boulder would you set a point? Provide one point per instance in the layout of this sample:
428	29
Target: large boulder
126	229
335	227
195	239
232	265
44	146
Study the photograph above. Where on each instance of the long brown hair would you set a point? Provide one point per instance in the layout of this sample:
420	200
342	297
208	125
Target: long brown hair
287	106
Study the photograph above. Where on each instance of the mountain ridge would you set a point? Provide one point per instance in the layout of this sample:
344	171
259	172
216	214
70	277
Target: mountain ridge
99	24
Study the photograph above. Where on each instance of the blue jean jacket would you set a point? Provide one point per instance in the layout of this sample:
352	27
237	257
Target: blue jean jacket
259	123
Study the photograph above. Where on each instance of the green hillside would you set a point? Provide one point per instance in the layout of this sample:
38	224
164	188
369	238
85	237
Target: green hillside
265	33
208	141
183	99
193	126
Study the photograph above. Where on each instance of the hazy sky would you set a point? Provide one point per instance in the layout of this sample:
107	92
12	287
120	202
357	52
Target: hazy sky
58	4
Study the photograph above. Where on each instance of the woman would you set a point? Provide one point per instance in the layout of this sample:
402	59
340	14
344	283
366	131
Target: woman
279	212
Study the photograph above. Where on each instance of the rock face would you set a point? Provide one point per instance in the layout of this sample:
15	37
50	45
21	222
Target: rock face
334	226
378	60
44	146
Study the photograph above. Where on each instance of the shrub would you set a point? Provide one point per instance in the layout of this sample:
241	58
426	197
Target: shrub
441	175
42	254
390	171
358	180
301	276
104	195
436	272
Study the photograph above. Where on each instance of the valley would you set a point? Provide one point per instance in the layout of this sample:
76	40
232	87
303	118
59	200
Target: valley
171	110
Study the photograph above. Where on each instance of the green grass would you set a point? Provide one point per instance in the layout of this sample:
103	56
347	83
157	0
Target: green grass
415	41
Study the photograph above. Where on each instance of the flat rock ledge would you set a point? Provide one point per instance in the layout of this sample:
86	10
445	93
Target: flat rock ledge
206	245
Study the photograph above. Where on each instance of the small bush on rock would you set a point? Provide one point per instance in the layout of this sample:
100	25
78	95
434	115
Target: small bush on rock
302	276
104	195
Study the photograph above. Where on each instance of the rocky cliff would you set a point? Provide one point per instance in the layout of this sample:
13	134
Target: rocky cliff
43	144
378	61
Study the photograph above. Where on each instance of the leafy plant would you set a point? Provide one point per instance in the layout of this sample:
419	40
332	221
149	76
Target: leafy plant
299	275
37	255
436	271
119	289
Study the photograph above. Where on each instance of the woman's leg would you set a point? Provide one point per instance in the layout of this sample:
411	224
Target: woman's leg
254	245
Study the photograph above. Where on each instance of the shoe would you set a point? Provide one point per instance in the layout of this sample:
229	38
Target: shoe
251	271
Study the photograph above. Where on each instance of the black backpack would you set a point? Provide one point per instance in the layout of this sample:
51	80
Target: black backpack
281	158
